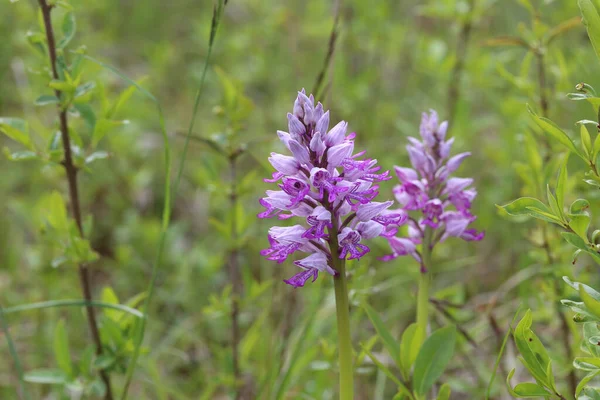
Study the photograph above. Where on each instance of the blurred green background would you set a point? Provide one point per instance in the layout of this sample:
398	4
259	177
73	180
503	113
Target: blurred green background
392	61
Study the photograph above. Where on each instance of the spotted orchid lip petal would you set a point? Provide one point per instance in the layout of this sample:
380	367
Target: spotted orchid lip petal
328	186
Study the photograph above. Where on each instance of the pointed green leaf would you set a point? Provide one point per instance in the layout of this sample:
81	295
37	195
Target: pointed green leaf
535	356
16	129
585	381
591	20
68	29
24	155
553	202
525	390
580	223
586	140
561	184
434	356
46	376
46	99
553	130
61	349
109	296
409	348
445	392
579	206
591	304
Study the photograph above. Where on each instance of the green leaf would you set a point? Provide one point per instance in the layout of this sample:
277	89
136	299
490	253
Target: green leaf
68	28
45	376
575	240
61	348
535	356
545	216
85	88
596	148
122	99
24	155
579	206
585	381
580	223
561	184
554	206
409	348
586	140
553	130
434	356
57	212
519	206
587	363
577	285
591	20
591	304
102	127
591	338
525	390
16	129
87	113
109	296
388	340
104	361
590	393
97	155
46	99
62	86
445	392
530	207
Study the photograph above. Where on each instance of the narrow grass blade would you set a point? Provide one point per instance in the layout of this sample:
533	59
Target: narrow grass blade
13	353
499	358
72	303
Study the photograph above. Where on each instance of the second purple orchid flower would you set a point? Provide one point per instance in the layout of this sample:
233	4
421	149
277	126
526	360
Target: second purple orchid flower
429	195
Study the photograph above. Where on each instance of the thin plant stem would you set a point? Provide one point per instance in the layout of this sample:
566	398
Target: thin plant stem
234	275
461	56
216	19
140	328
13	353
424	285
71	172
342	307
500	353
330	52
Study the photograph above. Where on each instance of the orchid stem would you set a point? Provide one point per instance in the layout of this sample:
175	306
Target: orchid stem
343	320
424	285
344	339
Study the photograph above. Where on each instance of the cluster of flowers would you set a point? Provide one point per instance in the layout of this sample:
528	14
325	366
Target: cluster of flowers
438	201
330	188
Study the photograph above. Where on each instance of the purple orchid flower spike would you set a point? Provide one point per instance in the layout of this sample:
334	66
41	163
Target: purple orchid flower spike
330	188
435	201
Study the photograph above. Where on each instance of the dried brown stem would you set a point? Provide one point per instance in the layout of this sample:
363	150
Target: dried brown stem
71	172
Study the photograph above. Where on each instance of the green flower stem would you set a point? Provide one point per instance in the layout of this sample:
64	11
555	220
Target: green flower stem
343	320
343	324
424	285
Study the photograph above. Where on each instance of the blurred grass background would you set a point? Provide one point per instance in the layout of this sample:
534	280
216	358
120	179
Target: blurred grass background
392	61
